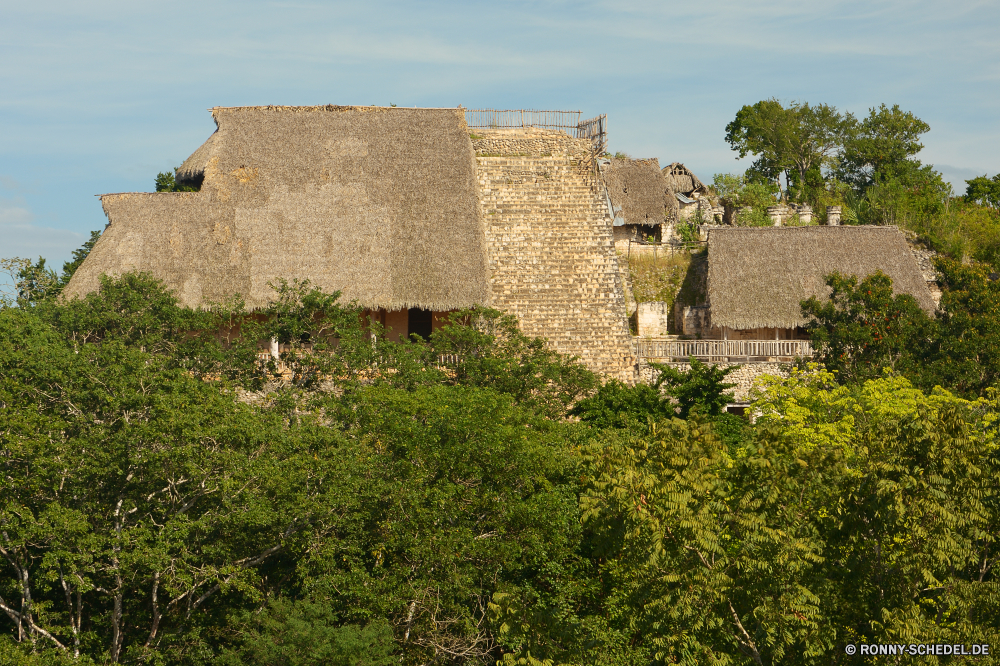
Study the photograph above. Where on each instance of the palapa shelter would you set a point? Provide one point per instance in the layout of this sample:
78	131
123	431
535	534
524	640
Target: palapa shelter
383	205
380	204
640	199
757	277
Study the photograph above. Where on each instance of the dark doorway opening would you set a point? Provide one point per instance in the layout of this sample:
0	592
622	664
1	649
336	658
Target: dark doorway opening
420	322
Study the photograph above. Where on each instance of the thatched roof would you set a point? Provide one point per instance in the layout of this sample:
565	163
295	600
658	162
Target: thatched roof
758	276
193	167
681	179
380	203
638	192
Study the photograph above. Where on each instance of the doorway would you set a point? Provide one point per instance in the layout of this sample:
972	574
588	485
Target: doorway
420	322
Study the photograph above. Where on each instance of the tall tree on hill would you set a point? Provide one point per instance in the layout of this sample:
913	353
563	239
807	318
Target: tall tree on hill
882	148
797	141
984	190
33	282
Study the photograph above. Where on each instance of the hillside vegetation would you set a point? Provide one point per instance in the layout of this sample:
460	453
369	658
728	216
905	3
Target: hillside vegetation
818	155
170	498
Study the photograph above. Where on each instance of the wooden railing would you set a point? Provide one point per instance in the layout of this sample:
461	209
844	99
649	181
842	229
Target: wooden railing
744	351
594	129
522	118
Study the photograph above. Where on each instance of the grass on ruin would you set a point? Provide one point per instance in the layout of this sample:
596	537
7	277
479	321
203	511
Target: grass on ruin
659	278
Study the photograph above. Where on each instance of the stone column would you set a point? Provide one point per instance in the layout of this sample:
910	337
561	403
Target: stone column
718	214
833	215
775	213
805	214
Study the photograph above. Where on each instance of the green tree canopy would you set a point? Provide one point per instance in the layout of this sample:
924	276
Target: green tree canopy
881	147
984	191
864	329
793	140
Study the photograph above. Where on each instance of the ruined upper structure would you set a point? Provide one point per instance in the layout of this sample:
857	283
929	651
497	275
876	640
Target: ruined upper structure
682	180
395	208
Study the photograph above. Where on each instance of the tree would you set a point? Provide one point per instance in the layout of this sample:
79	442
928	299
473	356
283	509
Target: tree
881	148
618	405
702	388
307	633
984	191
149	511
34	282
167	182
912	549
795	140
863	329
31	282
967	352
81	253
856	514
749	197
706	558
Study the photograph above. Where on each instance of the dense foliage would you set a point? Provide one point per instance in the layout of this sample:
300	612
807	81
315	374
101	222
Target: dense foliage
868	167
170	498
172	493
864	331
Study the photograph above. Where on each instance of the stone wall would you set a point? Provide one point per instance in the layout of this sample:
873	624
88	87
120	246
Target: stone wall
693	320
743	376
785	214
550	243
518	142
925	262
653	318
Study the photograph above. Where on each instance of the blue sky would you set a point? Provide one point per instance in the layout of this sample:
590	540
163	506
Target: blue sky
98	97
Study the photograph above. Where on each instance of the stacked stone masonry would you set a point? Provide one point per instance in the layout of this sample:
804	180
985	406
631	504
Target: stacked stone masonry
550	245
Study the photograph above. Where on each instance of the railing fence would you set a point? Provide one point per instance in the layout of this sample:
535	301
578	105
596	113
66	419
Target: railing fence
593	129
681	350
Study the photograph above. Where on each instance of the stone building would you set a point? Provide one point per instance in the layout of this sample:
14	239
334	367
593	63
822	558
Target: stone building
400	209
744	295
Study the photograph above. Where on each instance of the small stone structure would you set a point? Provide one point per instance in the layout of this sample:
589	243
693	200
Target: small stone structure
693	320
833	214
783	214
653	318
925	262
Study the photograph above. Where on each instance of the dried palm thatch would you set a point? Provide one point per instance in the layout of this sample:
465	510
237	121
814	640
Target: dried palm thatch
758	276
380	203
682	180
638	192
193	168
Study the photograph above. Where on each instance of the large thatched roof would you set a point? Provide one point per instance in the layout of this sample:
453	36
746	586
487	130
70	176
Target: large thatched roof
682	179
638	192
758	276
193	167
380	203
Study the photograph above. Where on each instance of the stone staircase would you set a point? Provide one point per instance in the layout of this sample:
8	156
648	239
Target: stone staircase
549	238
